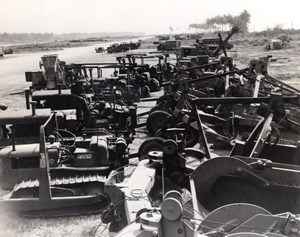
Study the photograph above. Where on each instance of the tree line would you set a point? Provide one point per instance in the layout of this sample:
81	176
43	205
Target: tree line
21	37
46	37
219	22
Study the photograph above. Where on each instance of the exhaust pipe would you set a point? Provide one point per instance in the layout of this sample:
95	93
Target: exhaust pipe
13	138
33	107
27	94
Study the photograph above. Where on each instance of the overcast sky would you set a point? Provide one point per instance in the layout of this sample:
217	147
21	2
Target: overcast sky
149	16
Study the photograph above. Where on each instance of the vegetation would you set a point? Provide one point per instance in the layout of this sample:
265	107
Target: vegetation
25	37
50	37
276	31
219	22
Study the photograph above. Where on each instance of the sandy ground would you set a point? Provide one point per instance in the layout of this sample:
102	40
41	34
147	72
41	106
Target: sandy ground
286	66
12	79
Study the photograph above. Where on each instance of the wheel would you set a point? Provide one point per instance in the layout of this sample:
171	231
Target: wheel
145	91
195	153
170	147
156	120
151	144
275	139
192	136
155	108
116	226
153	85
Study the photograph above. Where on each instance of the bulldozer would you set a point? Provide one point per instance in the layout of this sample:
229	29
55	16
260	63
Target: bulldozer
61	174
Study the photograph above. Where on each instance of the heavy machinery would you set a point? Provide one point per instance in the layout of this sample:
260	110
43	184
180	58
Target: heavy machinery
145	77
129	80
115	117
238	219
163	37
235	115
164	170
23	126
280	42
99	103
61	174
52	75
8	50
240	195
59	75
211	47
224	197
169	45
123	47
99	50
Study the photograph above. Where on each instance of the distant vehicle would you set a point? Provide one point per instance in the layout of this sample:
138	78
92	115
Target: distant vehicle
162	37
169	45
8	50
279	43
92	39
123	47
180	37
75	41
208	46
1	52
99	50
195	36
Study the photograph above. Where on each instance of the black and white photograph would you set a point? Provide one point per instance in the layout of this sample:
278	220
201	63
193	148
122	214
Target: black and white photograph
149	118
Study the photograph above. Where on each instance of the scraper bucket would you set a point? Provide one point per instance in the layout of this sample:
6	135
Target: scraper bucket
225	180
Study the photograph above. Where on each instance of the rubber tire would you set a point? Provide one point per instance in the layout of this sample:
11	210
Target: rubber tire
153	85
151	144
155	108
155	120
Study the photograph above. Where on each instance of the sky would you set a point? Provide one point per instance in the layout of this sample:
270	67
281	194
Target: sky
148	16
